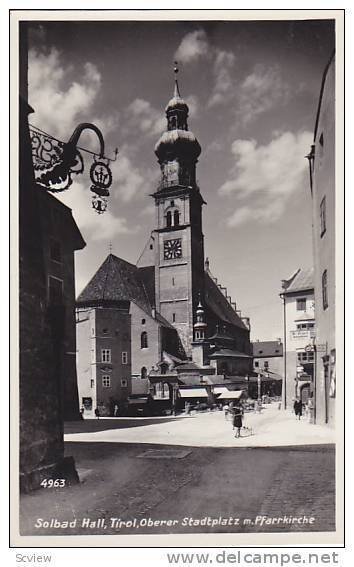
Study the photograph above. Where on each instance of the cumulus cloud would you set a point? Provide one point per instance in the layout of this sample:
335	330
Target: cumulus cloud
142	117
58	101
266	175
193	46
93	226
127	179
147	211
261	91
224	88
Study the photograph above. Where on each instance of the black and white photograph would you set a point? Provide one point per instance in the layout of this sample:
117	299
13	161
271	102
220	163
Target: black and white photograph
179	211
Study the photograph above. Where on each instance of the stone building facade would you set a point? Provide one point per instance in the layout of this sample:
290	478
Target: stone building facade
182	321
323	190
299	332
48	238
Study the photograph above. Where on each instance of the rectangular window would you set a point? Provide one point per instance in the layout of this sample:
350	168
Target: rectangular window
305	356
266	364
256	364
301	304
324	290
124	357
106	381
323	216
55	250
173	317
92	383
55	291
124	382
105	355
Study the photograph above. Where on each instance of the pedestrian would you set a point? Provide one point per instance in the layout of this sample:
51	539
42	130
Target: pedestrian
97	413
226	410
82	409
298	408
237	419
115	410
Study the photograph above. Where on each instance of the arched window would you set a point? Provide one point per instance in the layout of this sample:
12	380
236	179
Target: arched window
176	218
144	339
169	219
143	372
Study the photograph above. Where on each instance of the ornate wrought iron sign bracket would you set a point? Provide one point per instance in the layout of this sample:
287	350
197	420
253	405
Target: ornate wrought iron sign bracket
55	162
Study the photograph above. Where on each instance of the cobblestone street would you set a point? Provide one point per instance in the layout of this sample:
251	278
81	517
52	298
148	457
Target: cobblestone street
145	485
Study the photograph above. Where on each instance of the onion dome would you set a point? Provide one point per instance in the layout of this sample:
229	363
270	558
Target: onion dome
177	142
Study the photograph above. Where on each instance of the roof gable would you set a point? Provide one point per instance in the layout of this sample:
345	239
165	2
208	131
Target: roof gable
217	302
302	280
267	348
116	280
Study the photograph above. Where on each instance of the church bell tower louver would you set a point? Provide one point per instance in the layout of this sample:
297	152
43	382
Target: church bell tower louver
179	250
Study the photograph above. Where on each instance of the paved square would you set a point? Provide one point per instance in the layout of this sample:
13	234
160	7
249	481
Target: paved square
164	454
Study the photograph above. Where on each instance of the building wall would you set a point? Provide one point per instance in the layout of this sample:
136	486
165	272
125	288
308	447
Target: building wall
104	329
324	250
141	357
180	280
41	451
174	285
271	363
296	340
55	220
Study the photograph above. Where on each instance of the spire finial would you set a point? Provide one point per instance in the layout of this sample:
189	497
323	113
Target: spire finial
176	92
110	247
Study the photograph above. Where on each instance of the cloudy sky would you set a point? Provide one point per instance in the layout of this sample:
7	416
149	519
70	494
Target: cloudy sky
252	89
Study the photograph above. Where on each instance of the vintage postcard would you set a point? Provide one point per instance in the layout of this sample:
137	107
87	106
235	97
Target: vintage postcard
177	209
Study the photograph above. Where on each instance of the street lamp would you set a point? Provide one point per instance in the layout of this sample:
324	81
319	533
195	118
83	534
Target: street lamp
54	163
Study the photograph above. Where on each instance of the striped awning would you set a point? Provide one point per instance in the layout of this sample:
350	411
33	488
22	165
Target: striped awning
231	395
193	393
220	390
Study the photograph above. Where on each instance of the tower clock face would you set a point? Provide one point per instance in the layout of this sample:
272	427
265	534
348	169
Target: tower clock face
172	249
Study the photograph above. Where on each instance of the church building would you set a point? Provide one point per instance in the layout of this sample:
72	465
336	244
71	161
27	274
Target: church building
163	329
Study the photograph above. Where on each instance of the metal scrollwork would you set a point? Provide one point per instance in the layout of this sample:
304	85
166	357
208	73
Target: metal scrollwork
99	204
101	177
54	163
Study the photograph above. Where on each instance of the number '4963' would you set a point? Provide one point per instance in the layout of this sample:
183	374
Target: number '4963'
53	482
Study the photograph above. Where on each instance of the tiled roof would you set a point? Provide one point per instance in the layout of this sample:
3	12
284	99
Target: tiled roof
116	280
189	365
228	353
302	280
147	276
219	305
267	348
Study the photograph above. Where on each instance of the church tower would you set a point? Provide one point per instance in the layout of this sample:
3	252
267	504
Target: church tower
179	249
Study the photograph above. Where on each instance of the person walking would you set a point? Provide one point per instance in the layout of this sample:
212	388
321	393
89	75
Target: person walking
298	408
226	410
237	419
97	413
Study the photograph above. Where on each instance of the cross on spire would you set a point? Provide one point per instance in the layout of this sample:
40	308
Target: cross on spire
176	93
